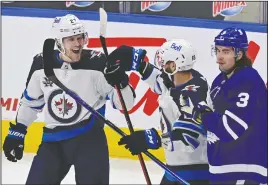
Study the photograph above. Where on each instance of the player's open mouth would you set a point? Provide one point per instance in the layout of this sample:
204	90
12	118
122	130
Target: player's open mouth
76	51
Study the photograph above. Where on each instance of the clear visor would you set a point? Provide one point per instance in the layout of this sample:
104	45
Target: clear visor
168	67
158	62
213	50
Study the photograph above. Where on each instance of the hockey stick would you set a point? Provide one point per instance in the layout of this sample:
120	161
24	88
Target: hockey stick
48	50
103	25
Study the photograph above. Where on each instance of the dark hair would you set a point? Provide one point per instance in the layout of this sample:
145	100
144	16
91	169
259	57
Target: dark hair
245	61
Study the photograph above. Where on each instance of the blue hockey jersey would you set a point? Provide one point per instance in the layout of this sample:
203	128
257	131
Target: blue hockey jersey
237	129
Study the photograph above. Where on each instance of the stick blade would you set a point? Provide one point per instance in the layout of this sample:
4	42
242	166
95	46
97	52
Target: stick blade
103	22
48	50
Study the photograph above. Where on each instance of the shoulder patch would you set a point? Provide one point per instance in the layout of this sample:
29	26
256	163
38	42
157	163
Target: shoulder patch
190	88
95	53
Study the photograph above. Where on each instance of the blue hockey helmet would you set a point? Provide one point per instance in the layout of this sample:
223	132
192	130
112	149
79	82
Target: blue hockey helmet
233	37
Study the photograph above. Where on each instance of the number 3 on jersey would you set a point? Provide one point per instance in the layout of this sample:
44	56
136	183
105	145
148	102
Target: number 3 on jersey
243	101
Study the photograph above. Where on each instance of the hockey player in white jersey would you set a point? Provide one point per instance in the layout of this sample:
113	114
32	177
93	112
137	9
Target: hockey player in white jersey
72	136
184	142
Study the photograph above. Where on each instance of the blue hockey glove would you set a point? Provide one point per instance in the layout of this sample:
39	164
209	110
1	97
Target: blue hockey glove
140	141
14	142
126	57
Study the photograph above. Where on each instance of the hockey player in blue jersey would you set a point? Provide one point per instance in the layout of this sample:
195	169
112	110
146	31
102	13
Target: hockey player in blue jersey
183	141
72	135
237	125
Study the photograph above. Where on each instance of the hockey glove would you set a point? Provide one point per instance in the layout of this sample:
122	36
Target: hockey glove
184	137
140	141
14	142
127	57
196	111
199	110
115	76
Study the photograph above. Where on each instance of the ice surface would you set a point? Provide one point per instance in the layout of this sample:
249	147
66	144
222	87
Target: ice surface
122	171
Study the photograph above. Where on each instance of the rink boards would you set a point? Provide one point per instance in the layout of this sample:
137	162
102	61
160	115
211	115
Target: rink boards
21	43
34	134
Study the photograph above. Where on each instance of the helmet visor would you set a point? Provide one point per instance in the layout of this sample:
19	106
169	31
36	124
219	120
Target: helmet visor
161	62
158	61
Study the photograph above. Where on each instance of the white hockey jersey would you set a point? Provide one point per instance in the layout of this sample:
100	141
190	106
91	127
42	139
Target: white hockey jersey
63	116
189	164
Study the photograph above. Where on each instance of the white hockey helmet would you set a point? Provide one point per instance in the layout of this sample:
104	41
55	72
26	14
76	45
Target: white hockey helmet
179	51
66	26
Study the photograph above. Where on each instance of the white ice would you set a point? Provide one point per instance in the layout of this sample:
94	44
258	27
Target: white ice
122	171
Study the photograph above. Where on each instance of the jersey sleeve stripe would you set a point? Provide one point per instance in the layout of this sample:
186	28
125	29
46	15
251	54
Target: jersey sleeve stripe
39	107
189	126
231	168
159	91
227	127
237	119
25	94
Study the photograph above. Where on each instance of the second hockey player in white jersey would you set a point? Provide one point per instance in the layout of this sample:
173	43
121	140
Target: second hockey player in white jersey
72	135
183	141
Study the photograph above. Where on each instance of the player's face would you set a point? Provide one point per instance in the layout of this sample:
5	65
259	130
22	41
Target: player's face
170	67
73	46
225	58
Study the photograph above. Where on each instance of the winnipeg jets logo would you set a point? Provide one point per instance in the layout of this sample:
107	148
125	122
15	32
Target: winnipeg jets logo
47	82
190	88
62	107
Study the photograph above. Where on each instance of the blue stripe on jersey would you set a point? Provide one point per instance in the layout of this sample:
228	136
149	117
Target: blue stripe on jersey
158	85
113	105
25	94
67	134
38	107
42	96
189	175
192	141
192	126
146	77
